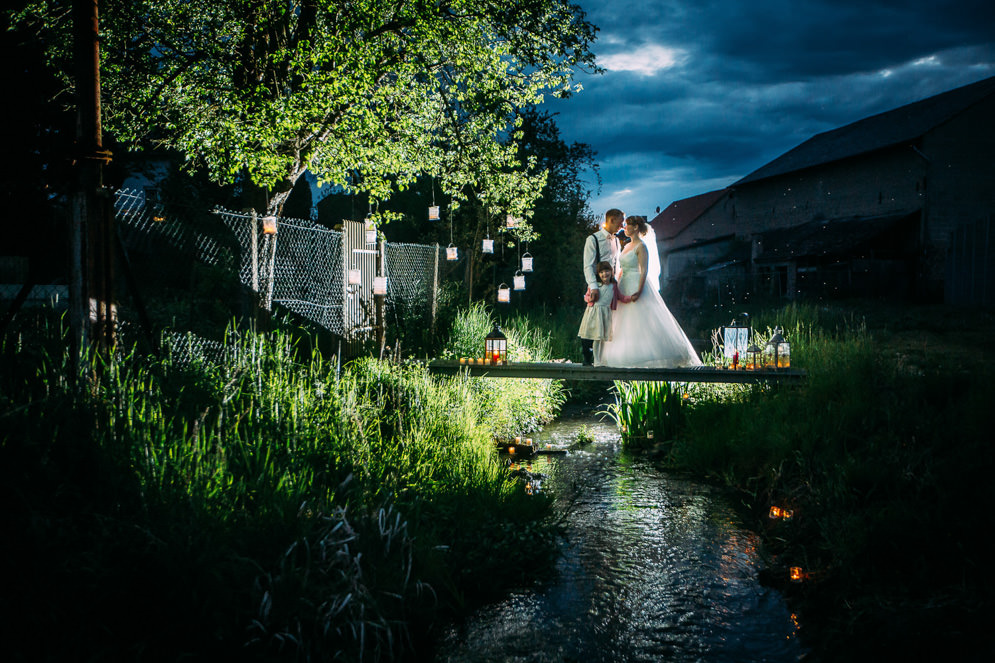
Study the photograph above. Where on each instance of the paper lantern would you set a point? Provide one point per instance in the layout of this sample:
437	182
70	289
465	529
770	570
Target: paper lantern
379	285
527	262
355	277
504	294
452	253
269	225
371	232
487	246
511	222
433	213
519	281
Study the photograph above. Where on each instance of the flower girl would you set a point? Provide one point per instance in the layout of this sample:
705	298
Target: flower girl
596	325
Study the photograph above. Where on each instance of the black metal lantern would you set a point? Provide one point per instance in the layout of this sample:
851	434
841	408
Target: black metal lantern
496	347
754	361
779	350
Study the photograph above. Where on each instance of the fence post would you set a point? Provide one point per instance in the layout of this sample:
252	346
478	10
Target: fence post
435	292
379	301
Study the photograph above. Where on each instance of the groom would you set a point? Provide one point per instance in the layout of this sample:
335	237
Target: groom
602	245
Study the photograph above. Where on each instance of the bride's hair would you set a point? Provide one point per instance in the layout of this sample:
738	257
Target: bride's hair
640	222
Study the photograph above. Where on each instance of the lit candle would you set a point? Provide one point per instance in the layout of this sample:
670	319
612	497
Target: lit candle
775	512
796	573
462	360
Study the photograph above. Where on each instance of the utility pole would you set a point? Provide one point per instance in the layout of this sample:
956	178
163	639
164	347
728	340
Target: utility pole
92	306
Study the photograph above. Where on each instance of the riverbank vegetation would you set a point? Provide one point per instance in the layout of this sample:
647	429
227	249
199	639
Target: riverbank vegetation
255	503
882	462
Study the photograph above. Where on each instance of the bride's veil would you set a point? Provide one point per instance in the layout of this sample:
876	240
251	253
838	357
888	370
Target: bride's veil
653	262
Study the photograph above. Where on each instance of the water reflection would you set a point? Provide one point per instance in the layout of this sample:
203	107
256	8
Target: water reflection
653	568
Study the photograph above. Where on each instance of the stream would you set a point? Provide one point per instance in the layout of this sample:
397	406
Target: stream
652	568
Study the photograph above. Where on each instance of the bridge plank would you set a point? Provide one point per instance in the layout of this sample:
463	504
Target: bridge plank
569	371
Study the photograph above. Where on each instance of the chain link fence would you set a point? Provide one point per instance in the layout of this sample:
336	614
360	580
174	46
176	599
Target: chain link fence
301	267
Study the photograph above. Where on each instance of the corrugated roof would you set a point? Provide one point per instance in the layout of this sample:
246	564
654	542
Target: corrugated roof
894	127
680	213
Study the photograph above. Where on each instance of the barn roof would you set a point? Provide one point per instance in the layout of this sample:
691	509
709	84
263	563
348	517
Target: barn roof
680	213
895	127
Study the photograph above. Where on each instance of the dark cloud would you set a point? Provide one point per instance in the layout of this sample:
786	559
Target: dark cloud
699	94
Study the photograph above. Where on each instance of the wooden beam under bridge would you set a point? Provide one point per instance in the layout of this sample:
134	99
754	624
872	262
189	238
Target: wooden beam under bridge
568	371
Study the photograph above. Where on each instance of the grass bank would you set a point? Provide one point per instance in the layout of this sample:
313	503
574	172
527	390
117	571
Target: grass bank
257	504
883	459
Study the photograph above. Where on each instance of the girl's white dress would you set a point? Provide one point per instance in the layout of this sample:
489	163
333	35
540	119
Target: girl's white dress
645	333
596	325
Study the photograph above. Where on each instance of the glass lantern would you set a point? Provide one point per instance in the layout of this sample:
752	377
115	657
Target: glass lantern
527	262
496	347
754	361
355	277
504	294
487	246
519	280
510	221
735	341
433	213
269	225
452	253
779	350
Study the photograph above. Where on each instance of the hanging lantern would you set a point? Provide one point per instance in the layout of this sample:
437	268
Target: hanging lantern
379	285
527	262
269	225
355	277
511	221
496	347
371	232
735	341
519	280
487	246
433	213
796	574
504	293
452	253
779	350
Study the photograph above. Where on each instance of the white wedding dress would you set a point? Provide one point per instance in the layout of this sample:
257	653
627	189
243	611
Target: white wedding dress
645	333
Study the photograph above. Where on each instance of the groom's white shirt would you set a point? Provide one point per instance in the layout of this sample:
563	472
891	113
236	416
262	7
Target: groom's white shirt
609	251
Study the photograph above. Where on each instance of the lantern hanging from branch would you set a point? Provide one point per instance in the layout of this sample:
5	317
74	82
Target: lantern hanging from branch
452	253
371	232
379	285
519	280
487	246
269	225
496	347
504	293
355	277
433	213
511	221
527	262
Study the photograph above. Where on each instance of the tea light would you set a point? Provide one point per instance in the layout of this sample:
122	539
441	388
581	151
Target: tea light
796	574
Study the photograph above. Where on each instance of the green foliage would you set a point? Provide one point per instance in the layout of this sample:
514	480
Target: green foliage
647	413
365	94
267	506
883	455
508	407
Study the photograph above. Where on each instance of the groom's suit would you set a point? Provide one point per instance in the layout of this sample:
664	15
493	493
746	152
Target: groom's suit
598	246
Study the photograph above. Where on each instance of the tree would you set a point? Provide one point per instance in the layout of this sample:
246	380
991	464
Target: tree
366	94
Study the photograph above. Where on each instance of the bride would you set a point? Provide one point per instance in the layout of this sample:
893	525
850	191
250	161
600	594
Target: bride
644	332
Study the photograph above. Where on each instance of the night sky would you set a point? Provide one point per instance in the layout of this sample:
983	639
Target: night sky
699	93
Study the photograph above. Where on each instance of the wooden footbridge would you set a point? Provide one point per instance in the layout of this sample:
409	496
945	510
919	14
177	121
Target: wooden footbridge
569	371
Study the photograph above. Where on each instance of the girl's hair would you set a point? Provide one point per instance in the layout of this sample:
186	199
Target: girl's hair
640	221
605	265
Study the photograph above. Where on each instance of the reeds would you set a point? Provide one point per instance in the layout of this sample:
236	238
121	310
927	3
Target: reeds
275	507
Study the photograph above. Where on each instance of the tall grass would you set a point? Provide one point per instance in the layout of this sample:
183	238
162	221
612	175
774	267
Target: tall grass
885	461
260	504
508	406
